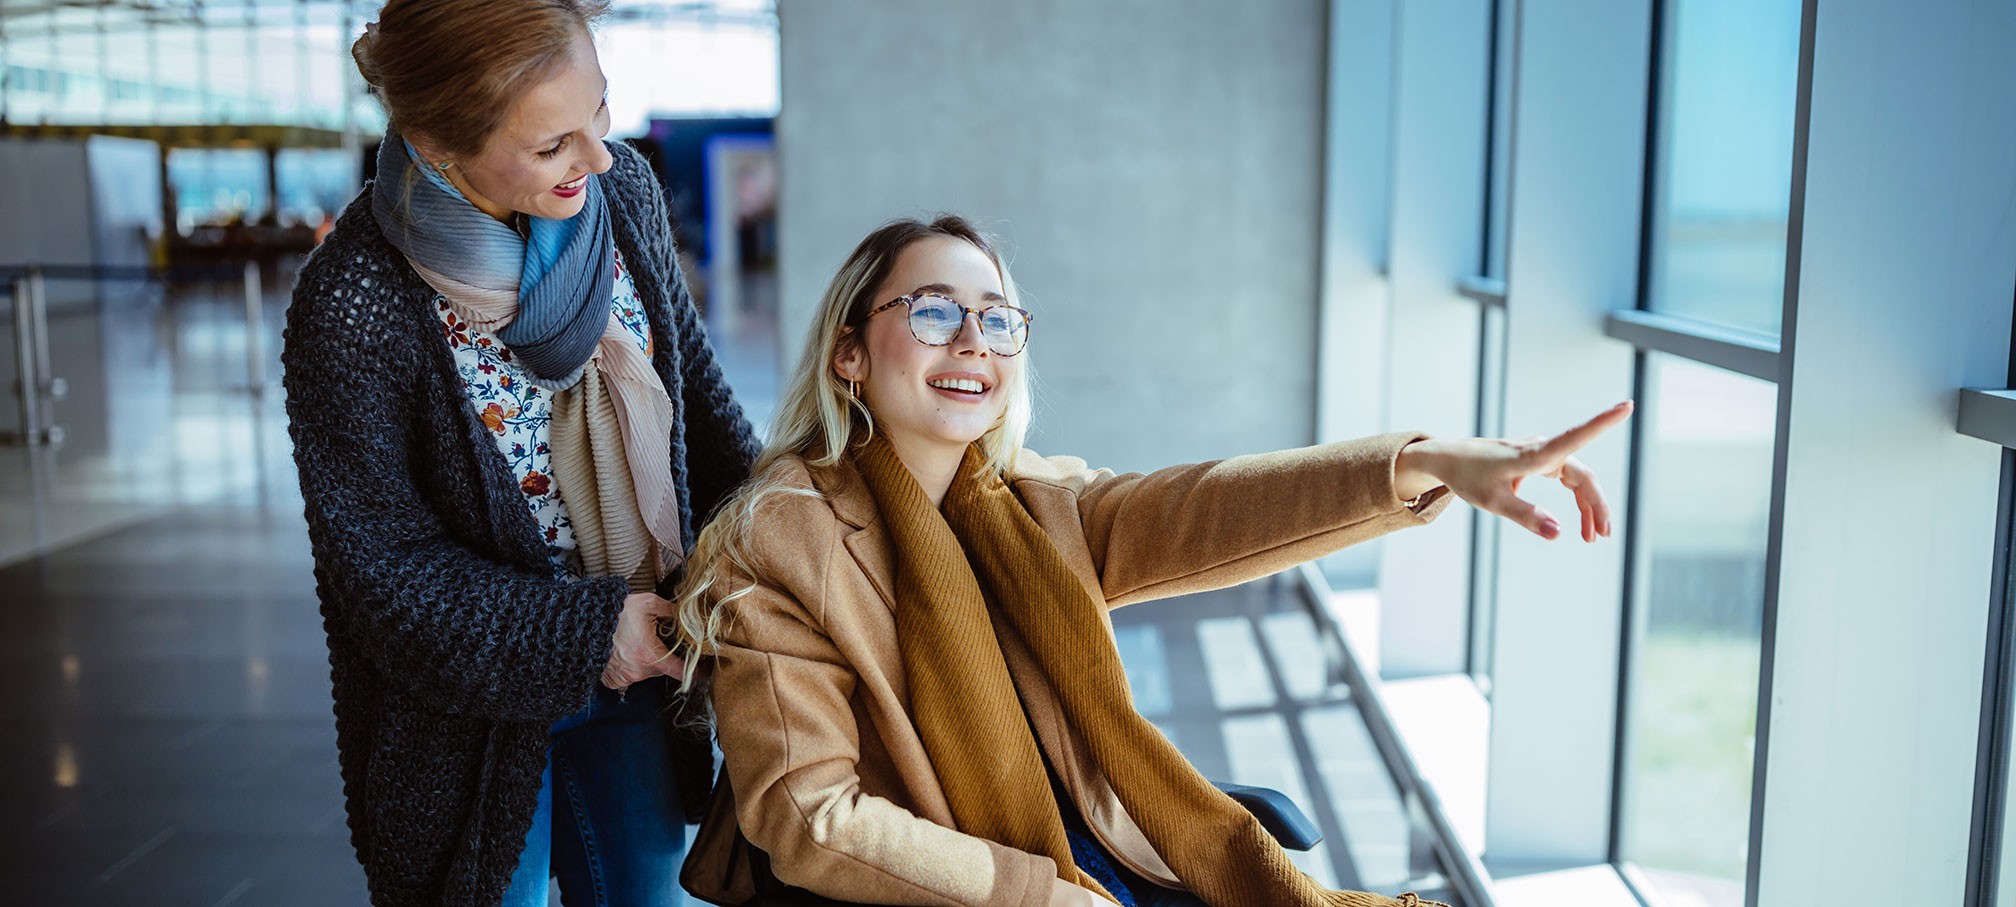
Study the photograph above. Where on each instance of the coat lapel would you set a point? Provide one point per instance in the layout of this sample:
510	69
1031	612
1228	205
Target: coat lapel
871	550
869	543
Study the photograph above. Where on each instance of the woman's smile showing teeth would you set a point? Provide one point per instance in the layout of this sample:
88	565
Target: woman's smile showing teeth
969	387
572	187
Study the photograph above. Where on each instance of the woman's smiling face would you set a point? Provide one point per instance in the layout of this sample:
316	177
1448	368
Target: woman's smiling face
936	396
538	158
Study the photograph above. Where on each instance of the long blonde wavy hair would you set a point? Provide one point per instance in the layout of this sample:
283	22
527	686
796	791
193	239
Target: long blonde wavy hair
818	419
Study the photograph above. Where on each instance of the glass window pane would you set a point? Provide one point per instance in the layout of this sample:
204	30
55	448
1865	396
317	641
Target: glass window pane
1690	722
1498	195
218	186
314	182
1725	161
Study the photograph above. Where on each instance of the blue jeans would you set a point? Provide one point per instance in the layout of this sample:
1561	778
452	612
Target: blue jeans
609	824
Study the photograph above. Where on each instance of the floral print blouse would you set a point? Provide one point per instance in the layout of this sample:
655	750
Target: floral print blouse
518	411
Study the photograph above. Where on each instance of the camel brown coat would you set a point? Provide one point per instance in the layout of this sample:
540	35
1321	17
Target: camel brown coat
828	775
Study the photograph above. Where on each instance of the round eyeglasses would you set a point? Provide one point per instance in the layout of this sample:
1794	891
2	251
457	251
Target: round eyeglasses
937	320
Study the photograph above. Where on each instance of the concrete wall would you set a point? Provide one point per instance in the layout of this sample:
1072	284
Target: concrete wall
1578	149
1153	168
1441	111
1874	649
1352	323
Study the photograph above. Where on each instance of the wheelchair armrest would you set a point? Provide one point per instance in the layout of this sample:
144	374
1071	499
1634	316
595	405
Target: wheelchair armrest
1278	814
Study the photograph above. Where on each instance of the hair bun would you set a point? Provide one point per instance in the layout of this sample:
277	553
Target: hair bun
361	52
450	70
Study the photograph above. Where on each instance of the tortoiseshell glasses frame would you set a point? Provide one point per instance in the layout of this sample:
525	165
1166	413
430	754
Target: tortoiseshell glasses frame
1004	327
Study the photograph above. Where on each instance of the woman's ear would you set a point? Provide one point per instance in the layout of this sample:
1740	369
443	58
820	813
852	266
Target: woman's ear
850	361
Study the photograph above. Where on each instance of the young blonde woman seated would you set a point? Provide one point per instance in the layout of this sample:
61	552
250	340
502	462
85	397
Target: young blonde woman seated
905	614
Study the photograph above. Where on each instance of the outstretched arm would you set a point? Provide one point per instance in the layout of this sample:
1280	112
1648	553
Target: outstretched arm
1210	525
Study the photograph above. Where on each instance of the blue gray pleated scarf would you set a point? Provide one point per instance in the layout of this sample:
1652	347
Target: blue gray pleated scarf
548	296
563	273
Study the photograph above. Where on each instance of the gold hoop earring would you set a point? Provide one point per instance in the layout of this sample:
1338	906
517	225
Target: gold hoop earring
853	391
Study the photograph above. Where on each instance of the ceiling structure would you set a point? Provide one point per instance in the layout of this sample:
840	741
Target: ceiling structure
220	73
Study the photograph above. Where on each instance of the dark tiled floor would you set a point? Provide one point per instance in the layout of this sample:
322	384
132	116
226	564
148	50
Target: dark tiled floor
165	729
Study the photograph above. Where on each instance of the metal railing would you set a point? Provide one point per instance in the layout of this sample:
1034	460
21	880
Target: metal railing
1463	871
37	388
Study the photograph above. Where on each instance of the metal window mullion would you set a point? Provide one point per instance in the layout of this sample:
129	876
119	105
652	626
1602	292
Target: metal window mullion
1489	291
1989	415
1629	614
1740	351
1991	772
1774	546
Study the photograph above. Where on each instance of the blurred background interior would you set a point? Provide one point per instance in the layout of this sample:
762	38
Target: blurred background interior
1243	226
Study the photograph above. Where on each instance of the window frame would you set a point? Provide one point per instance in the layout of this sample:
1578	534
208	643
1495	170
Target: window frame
1489	288
1750	353
1991	416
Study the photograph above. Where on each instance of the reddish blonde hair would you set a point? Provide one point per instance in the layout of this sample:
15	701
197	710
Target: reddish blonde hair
448	70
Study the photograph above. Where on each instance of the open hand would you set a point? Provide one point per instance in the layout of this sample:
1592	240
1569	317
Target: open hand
1487	472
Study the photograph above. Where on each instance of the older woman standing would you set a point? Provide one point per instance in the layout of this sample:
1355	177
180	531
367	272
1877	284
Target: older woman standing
507	420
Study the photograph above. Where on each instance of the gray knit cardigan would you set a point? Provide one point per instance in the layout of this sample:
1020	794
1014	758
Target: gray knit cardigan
453	647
